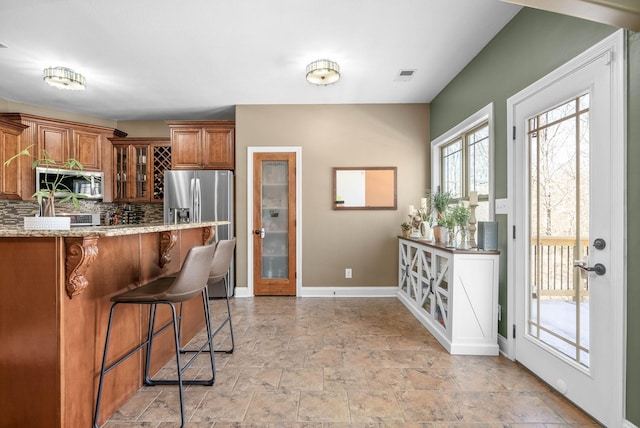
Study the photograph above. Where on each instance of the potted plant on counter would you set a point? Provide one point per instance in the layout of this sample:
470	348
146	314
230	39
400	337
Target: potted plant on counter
441	201
49	190
406	229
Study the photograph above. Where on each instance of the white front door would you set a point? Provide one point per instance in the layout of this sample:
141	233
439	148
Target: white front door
569	226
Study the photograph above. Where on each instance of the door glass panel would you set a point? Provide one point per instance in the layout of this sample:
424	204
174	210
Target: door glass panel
558	296
275	219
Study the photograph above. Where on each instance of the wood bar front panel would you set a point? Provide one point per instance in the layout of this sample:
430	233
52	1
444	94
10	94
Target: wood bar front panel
51	345
29	365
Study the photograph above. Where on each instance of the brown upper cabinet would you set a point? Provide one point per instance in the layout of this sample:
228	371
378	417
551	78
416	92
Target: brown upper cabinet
63	139
202	144
14	182
138	168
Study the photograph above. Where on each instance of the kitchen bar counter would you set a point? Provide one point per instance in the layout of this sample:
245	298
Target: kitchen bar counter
119	230
54	307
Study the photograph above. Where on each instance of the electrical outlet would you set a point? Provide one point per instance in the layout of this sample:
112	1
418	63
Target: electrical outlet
347	273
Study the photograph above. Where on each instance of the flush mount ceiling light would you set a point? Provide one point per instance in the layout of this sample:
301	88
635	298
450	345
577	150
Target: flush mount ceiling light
64	78
323	72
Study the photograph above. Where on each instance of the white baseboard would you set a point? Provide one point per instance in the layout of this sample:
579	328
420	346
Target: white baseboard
627	424
503	345
348	292
241	292
333	292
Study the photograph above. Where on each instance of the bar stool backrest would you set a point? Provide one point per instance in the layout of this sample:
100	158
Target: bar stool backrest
221	260
193	276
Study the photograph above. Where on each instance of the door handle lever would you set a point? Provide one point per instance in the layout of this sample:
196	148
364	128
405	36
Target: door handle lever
598	268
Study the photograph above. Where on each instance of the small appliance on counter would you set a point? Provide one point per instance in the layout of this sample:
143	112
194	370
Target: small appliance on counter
83	220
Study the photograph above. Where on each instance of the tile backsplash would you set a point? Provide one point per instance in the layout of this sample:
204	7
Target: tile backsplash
12	212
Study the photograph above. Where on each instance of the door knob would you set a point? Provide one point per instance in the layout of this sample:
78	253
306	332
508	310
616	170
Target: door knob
259	232
598	268
599	244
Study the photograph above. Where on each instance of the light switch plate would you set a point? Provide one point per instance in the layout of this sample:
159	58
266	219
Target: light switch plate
502	206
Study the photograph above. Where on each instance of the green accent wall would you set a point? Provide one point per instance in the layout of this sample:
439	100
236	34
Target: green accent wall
532	45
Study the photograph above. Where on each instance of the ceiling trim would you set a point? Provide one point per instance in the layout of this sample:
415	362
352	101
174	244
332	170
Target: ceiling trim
619	13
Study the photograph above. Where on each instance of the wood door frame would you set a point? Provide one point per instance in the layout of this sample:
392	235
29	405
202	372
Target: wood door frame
250	152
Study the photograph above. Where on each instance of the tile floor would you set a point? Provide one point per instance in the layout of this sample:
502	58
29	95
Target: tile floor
347	362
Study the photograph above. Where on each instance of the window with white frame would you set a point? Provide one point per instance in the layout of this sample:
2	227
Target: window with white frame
461	162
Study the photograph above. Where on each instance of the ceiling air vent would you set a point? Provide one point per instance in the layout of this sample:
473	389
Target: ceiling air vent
405	75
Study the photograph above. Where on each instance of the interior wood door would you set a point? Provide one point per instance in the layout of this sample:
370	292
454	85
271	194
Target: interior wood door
274	221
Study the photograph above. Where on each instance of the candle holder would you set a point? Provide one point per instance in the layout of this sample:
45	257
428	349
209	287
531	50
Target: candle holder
472	225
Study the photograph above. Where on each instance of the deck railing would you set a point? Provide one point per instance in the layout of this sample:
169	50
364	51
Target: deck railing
552	267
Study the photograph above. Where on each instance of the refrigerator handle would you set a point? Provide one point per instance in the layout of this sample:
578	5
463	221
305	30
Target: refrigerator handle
196	207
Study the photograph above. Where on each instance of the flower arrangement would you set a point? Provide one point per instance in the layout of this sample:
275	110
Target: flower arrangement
461	215
447	220
416	220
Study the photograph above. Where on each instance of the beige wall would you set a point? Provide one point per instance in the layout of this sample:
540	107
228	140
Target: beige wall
144	128
339	135
330	135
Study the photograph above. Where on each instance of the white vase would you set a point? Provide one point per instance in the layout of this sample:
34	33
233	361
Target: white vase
426	231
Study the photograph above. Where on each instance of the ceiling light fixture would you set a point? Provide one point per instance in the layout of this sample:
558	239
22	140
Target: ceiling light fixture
323	72
64	78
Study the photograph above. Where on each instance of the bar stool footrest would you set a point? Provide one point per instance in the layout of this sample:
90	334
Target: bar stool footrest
155	382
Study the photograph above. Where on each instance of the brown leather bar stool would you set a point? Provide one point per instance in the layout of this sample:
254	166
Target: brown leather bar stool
218	278
188	283
218	283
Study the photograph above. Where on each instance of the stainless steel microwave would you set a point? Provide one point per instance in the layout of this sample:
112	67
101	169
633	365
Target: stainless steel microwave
89	184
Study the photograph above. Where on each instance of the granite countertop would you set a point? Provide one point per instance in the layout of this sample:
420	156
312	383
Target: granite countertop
119	230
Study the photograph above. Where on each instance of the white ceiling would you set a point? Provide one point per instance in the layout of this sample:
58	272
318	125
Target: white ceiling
197	59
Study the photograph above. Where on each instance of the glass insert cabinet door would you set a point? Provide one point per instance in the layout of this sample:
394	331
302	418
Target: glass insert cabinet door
274	221
132	171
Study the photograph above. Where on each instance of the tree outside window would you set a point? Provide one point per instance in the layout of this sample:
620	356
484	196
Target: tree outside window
465	168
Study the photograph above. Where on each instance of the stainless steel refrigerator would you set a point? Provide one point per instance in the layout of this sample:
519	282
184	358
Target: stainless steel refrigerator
203	195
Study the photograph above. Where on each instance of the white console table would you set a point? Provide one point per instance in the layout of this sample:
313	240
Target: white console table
454	294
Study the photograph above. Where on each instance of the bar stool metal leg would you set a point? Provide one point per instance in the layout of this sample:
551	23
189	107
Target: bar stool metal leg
213	335
207	345
227	320
102	370
166	290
